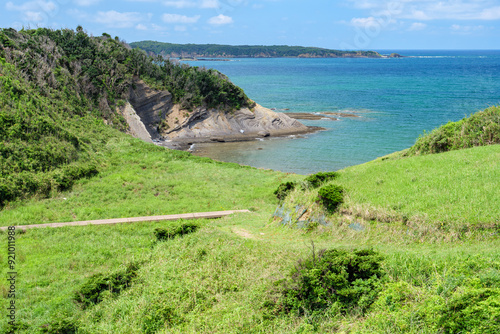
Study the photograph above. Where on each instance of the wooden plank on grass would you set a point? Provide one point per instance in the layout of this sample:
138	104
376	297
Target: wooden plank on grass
197	215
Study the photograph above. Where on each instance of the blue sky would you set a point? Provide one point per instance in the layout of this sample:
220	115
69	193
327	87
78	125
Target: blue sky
343	24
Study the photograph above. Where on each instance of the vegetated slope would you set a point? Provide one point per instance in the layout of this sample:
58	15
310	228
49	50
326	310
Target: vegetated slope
481	128
57	87
457	188
124	279
245	51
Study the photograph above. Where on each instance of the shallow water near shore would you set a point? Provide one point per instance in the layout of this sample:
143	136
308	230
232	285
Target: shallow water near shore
396	99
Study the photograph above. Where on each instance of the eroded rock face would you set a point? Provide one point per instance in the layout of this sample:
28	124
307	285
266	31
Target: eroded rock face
151	105
162	118
257	121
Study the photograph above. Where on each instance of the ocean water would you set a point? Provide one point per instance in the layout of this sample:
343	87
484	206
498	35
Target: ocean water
397	99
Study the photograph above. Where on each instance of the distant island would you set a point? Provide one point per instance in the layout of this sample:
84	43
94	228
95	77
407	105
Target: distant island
195	51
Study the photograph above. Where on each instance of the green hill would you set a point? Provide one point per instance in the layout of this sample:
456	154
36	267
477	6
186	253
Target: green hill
59	89
413	246
245	51
481	128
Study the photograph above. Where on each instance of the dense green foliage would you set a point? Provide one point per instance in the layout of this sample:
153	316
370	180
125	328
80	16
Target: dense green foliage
316	180
333	278
476	311
56	89
243	51
60	325
481	128
178	229
284	189
331	196
101	286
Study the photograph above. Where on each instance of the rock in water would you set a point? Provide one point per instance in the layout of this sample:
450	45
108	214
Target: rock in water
162	118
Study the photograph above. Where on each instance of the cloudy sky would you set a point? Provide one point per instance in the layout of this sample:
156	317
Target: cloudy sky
337	24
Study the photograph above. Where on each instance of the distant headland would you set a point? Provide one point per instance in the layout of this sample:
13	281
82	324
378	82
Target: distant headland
195	51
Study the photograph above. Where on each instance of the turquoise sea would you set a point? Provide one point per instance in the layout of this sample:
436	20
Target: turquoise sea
397	98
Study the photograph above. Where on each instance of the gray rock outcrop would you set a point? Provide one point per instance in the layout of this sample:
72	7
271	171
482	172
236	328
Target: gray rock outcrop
164	119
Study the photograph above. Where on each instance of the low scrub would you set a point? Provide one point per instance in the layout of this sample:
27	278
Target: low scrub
316	180
60	325
333	278
476	311
331	196
480	129
99	286
166	233
284	189
159	314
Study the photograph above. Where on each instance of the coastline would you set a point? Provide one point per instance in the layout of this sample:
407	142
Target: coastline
183	144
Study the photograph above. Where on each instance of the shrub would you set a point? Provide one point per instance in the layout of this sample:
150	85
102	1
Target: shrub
331	197
165	233
158	315
284	189
481	128
476	311
100	285
315	180
334	278
60	325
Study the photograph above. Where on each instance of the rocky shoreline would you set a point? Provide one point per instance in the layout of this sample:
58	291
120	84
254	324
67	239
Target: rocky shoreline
184	144
152	116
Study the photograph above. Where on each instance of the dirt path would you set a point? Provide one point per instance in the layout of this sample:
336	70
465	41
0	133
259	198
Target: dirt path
199	215
243	233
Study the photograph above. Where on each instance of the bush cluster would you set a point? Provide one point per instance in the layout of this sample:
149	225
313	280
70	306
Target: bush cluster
482	128
284	189
157	315
476	311
60	325
98	286
333	278
316	180
331	196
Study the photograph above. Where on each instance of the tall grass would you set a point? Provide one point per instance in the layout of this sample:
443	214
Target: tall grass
458	187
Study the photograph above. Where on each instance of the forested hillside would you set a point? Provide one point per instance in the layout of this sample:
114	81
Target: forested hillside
59	93
245	51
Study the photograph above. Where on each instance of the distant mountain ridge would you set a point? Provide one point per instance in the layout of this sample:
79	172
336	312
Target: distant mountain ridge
171	50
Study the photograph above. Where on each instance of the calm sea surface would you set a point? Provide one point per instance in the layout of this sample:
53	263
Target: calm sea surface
398	99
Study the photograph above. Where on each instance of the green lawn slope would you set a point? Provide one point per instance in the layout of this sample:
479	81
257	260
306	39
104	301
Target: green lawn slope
432	218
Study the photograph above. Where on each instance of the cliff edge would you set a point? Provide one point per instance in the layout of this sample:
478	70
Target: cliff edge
166	120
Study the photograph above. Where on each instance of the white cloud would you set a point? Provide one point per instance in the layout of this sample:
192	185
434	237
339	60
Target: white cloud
43	6
220	20
177	18
33	16
180	4
371	22
141	26
34	11
362	22
116	19
433	10
192	4
490	14
209	4
85	3
417	26
466	29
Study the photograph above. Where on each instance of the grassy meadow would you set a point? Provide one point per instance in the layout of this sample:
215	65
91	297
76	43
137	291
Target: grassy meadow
221	278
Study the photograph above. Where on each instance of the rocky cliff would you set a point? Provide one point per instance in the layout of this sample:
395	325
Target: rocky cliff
165	120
